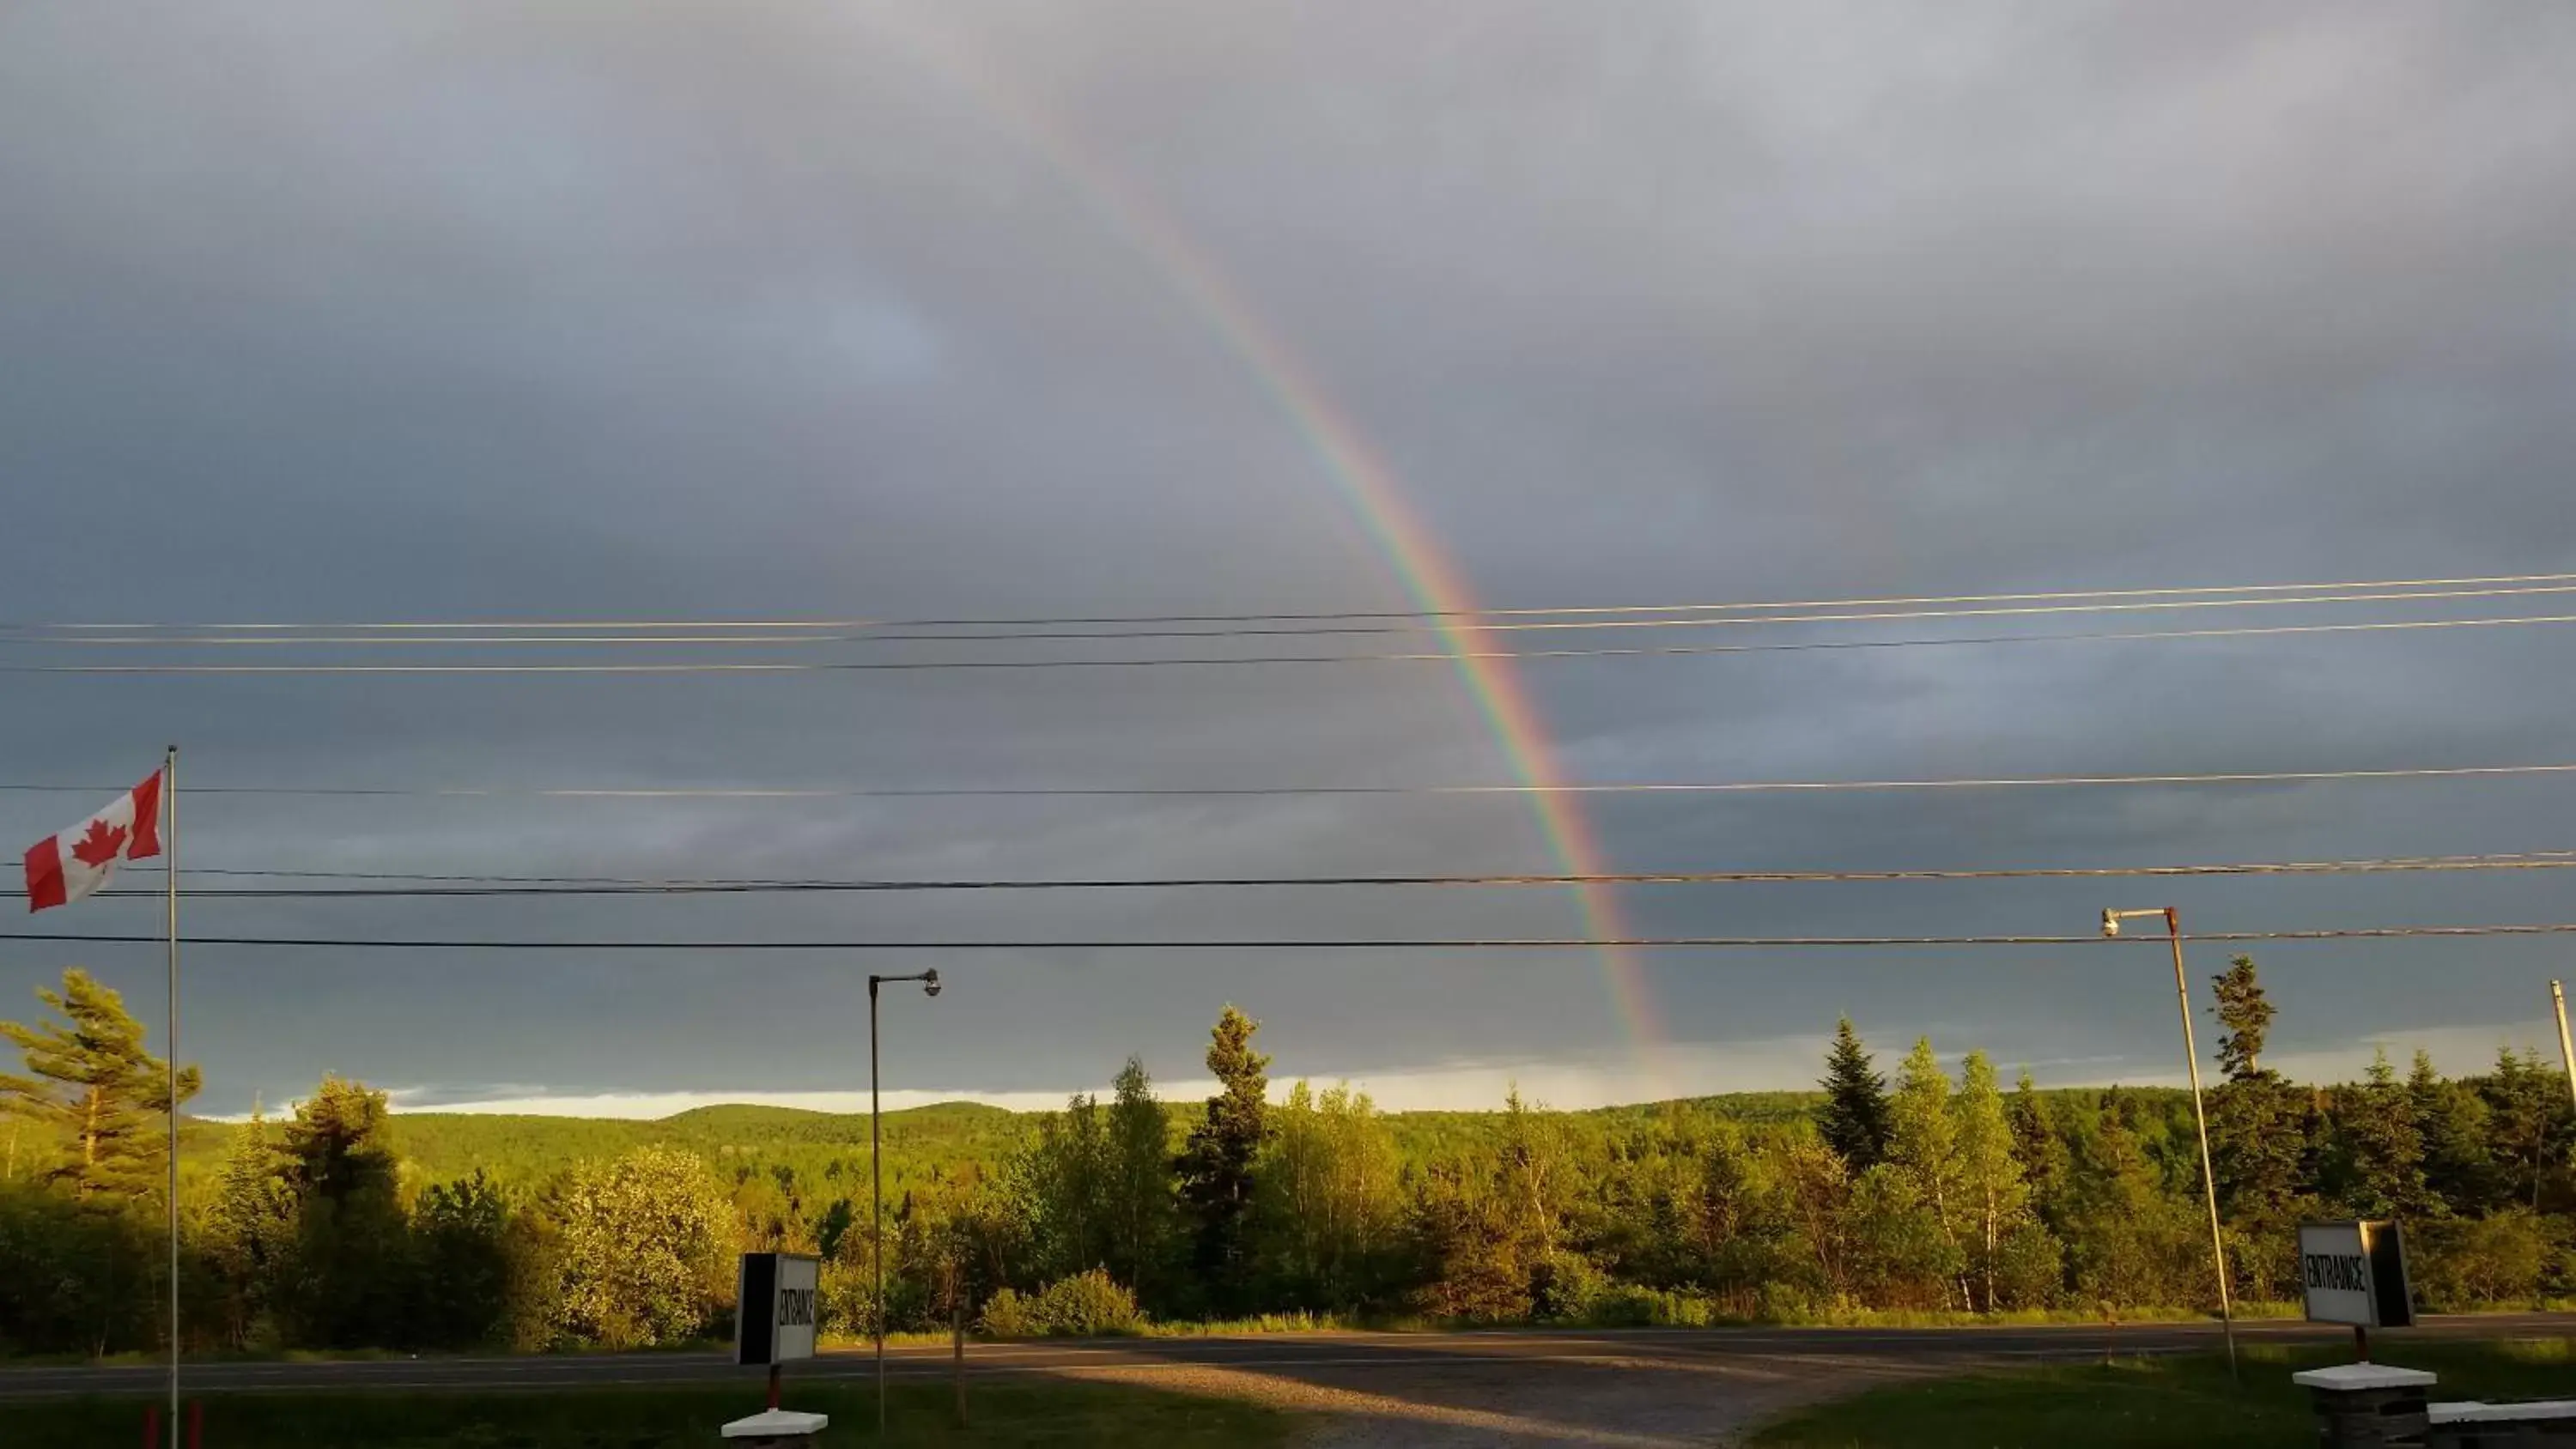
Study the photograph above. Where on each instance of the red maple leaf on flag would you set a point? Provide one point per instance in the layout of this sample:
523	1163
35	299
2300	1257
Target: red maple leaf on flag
103	844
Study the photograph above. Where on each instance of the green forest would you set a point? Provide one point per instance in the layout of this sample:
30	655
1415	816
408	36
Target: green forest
1922	1185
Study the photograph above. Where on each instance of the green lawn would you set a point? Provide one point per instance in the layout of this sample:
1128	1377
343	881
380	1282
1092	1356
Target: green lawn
2138	1403
1013	1414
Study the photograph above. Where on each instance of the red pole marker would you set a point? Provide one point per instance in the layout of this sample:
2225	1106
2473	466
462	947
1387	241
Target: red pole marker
197	1424
152	1426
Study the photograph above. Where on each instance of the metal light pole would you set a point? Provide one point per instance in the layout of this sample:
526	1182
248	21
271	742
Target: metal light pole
2566	1050
2199	1114
170	1068
876	1170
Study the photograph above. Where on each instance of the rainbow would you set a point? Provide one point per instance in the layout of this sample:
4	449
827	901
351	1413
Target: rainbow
1365	482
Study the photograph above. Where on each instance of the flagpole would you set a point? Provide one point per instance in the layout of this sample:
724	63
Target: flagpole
170	1066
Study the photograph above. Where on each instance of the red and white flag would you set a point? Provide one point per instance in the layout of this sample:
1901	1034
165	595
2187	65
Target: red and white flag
66	867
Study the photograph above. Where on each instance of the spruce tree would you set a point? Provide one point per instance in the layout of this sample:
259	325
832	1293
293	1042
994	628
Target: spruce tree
251	1228
1855	1121
1216	1168
91	1083
2452	1122
2040	1147
2258	1124
2246	1013
2383	1152
2525	1106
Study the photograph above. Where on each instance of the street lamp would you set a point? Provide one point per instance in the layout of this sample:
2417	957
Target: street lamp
2199	1115
876	1169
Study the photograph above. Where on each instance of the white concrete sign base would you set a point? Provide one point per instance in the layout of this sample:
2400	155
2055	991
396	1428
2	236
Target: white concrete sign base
779	1427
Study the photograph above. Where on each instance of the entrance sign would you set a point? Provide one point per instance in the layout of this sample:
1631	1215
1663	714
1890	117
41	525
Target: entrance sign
774	1316
2355	1273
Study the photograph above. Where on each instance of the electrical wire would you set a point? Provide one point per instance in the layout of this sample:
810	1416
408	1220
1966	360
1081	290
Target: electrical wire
1603	609
281	639
1008	792
492	886
1506	943
1161	661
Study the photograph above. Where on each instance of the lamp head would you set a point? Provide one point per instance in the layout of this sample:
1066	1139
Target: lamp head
930	982
2110	923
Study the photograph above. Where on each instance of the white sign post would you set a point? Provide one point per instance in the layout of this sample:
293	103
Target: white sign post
2355	1273
774	1317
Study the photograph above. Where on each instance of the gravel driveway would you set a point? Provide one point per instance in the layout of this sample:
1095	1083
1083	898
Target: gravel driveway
1645	1399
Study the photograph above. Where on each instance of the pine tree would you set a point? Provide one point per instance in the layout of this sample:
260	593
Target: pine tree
90	1082
2246	1013
1854	1121
1216	1168
352	1240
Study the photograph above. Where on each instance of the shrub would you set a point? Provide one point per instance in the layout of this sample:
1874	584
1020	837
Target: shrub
1566	1286
1008	1315
1627	1305
1085	1305
2465	1262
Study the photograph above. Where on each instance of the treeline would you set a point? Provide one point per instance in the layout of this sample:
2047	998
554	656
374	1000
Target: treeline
1940	1190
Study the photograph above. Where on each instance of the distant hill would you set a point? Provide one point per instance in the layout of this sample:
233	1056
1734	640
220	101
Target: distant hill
828	1151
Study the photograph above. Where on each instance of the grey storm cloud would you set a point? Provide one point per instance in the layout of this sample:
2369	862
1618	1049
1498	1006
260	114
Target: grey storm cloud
580	310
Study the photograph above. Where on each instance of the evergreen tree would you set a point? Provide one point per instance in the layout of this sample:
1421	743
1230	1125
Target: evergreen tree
251	1228
2246	1013
2261	1131
2258	1146
1140	1183
2040	1148
2452	1123
90	1083
1216	1169
353	1265
2525	1105
2383	1153
1990	1175
1854	1120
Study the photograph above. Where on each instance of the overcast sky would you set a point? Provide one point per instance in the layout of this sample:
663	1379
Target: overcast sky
335	312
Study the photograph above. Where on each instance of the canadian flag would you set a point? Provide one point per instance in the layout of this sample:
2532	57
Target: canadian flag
66	867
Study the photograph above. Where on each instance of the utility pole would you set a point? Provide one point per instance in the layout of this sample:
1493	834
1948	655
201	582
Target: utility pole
2199	1116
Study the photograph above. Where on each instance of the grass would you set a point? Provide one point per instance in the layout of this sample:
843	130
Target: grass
2138	1403
1057	1415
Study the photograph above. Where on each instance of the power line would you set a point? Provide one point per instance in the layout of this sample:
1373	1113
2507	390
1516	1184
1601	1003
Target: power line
23	636
1615	787
1106	619
492	886
1509	943
1160	661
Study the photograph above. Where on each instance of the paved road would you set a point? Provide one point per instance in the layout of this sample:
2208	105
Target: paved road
1344	1357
